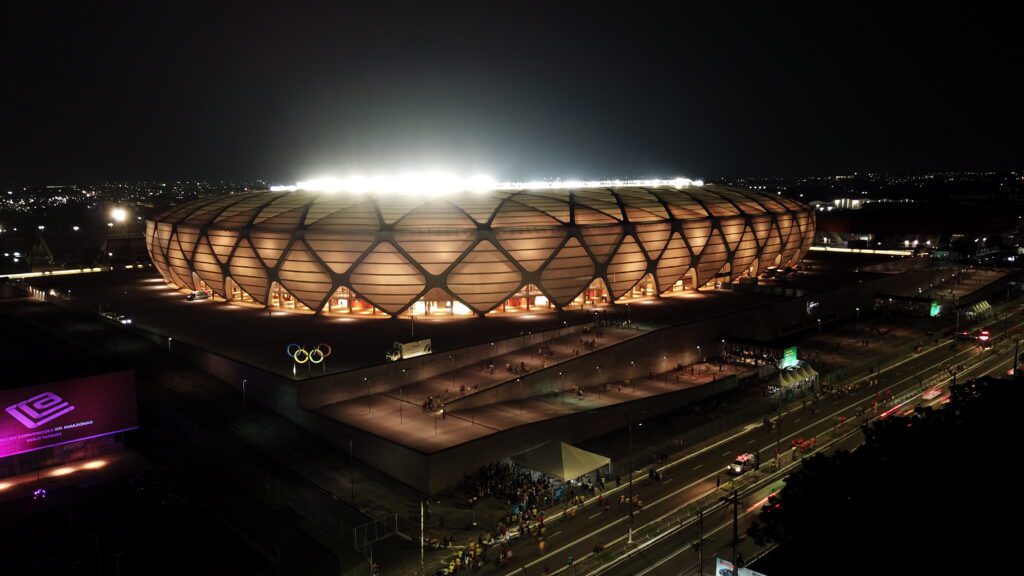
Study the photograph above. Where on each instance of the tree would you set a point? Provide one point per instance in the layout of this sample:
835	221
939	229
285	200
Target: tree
917	484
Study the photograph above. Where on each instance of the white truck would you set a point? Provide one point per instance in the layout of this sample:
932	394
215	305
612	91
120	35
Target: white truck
404	350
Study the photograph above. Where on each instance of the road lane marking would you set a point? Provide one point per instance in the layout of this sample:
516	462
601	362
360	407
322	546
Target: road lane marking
965	371
723	441
592	516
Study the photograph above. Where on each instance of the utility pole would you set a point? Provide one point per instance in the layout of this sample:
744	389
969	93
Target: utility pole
421	536
629	426
778	418
170	361
700	542
1016	350
629	490
956	337
734	499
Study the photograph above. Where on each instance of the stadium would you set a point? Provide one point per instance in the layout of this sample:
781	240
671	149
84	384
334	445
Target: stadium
591	300
500	249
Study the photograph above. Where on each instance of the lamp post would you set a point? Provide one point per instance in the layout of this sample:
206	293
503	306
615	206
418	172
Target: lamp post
956	337
778	414
369	397
631	380
629	490
858	313
245	420
561	385
170	362
700	367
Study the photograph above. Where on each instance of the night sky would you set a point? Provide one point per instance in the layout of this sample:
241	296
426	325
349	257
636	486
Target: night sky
518	90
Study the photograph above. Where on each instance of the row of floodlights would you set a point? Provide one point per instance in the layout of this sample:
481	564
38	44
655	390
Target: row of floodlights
433	184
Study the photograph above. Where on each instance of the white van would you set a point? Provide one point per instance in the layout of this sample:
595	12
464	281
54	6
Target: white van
197	295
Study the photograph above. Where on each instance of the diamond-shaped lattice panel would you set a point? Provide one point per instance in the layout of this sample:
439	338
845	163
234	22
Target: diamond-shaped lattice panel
673	263
387	279
484	278
248	272
303	276
530	248
568	273
712	259
626	268
207	267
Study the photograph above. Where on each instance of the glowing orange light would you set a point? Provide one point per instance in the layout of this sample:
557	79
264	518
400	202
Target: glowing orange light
64	471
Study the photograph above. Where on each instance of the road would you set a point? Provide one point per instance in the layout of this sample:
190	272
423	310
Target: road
691	480
676	553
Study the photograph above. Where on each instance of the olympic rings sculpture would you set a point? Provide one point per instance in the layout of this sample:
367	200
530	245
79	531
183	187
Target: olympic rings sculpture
300	355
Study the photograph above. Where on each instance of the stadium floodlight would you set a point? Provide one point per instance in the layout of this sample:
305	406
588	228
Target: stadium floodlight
441	183
118	214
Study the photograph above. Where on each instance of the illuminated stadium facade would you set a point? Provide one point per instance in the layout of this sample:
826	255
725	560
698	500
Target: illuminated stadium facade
497	249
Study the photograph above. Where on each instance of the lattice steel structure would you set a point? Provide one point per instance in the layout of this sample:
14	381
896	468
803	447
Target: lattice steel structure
477	249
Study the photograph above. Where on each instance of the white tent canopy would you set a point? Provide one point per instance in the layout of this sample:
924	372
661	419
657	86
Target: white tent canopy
560	460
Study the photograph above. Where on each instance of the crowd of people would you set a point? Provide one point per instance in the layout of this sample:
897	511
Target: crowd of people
502	480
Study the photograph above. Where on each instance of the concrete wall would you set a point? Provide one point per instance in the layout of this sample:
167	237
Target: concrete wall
449	466
432	473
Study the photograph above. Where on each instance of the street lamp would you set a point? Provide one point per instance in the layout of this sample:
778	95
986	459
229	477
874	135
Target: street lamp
170	362
858	312
631	380
956	336
561	385
700	367
245	421
778	412
629	428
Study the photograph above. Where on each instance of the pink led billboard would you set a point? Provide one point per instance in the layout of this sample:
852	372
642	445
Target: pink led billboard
37	417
